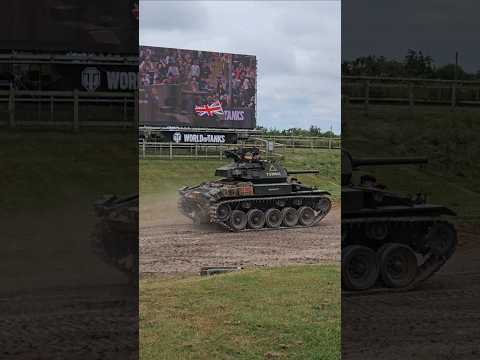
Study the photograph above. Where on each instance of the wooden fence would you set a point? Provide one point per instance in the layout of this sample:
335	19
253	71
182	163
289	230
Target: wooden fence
409	91
302	142
67	109
171	150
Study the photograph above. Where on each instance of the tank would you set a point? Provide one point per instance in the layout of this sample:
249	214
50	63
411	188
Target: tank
116	234
254	194
390	242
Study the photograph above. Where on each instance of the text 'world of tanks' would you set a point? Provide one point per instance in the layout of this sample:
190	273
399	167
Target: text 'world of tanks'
254	194
389	241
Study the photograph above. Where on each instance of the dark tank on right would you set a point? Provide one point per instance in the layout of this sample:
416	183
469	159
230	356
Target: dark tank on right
390	242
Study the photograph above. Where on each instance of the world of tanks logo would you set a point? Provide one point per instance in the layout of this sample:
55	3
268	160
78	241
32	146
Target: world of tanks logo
177	137
91	79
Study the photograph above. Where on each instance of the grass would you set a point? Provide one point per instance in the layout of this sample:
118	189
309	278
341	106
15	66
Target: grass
46	169
285	313
163	177
49	182
448	139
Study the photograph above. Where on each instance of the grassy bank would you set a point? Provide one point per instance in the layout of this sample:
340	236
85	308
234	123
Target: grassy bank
163	177
448	138
291	312
46	169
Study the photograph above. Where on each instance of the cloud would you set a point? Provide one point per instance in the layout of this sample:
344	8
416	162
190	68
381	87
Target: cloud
297	45
157	15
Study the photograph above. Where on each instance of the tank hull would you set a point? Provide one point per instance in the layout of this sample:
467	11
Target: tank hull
257	206
420	231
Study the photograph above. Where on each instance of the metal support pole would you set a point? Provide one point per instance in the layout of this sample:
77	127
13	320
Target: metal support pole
76	124
135	109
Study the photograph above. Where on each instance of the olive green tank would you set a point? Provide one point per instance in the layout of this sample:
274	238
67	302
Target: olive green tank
254	194
390	241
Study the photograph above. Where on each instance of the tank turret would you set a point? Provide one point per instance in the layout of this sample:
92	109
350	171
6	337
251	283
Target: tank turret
254	194
248	166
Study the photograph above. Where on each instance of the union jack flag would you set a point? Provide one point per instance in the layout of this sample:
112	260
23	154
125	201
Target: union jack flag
209	110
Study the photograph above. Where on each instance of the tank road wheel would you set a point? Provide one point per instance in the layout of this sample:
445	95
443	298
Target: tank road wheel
223	212
323	205
359	267
255	219
306	216
398	265
289	217
442	239
273	218
238	220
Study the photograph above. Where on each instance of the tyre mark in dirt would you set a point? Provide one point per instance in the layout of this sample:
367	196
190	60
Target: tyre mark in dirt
61	324
185	248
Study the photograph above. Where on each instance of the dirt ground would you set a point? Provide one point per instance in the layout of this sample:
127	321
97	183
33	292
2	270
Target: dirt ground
58	300
69	323
171	245
439	320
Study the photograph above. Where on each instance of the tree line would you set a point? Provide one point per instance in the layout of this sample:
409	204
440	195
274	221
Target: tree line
312	131
414	64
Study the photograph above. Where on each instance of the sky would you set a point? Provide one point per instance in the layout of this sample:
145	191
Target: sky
297	45
438	28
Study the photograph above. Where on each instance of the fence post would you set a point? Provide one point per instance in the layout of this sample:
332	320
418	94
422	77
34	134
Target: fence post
135	109
410	96
143	149
454	95
51	109
75	111
11	107
171	151
330	144
367	94
196	151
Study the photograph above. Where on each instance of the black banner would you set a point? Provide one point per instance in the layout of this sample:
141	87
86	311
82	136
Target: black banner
180	137
91	78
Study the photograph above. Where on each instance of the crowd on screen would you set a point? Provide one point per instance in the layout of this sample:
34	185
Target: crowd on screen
213	74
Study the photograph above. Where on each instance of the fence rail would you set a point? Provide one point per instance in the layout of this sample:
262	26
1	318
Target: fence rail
71	109
171	150
410	91
311	142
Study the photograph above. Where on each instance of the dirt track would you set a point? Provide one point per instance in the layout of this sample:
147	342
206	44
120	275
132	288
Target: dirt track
171	244
85	323
439	320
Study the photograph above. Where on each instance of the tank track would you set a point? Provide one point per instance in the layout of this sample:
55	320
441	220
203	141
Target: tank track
432	263
235	203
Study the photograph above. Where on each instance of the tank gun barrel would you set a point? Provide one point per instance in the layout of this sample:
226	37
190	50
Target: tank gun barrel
298	172
388	161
